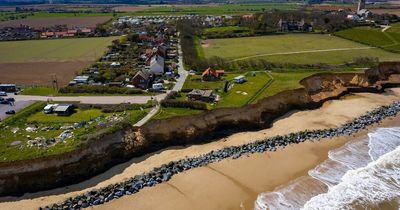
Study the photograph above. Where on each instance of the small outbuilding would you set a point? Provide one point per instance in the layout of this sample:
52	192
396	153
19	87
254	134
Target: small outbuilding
202	95
240	79
49	108
64	109
8	88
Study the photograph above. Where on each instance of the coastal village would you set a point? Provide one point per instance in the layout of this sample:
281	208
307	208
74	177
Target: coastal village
164	89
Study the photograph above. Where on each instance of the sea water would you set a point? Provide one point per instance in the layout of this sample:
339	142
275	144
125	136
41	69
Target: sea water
363	174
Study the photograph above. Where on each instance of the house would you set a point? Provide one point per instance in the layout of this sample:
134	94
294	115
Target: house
212	75
240	79
8	88
142	79
157	65
49	108
64	109
202	95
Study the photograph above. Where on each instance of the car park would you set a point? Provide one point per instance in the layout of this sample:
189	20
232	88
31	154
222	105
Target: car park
10	112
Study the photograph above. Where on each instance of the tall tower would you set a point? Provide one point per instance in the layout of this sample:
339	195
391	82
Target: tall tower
361	5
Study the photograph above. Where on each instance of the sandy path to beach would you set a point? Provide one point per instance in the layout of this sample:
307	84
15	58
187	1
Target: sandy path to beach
232	182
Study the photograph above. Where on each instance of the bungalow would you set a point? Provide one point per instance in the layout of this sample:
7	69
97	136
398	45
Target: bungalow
64	109
202	95
212	75
142	79
157	65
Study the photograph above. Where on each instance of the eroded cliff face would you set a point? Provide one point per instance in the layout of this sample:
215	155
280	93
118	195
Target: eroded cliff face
97	156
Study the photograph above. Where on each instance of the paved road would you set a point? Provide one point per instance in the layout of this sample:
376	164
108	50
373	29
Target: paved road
177	87
92	99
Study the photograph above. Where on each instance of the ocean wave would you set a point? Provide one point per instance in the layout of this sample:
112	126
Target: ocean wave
370	187
361	174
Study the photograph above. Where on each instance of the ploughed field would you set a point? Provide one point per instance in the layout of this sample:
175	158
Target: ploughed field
34	62
42	20
294	48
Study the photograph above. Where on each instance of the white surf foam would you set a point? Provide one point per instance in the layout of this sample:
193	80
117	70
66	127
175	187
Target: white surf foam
353	156
365	188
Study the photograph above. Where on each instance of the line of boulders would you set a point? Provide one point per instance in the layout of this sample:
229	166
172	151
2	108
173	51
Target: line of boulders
166	171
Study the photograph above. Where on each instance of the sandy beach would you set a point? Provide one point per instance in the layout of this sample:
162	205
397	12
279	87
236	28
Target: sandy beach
229	184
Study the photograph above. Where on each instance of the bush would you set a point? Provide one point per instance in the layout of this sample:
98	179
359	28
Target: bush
184	104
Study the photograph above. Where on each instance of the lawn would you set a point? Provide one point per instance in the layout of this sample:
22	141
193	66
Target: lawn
57	50
388	40
167	112
241	94
294	48
48	91
14	144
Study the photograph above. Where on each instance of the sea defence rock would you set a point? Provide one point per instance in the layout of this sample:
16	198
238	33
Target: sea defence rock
99	155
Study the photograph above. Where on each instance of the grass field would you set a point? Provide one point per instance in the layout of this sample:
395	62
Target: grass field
167	112
294	48
214	9
388	40
59	50
14	136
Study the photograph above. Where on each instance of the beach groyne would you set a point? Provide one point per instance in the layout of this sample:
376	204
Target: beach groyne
97	156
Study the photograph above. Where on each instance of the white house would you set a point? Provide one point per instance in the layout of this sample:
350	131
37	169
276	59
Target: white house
157	65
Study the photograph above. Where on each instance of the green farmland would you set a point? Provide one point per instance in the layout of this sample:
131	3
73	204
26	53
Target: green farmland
214	9
57	50
388	40
294	48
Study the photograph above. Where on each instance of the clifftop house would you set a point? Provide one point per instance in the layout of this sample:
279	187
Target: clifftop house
212	75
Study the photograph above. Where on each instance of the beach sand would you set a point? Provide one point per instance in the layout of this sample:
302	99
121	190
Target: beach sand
229	184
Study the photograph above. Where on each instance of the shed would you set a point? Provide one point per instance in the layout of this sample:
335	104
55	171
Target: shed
64	109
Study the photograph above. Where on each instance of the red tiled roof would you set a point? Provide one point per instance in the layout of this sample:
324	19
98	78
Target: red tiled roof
216	73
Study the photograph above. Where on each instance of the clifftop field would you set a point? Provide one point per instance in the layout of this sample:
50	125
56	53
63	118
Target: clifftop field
294	48
34	62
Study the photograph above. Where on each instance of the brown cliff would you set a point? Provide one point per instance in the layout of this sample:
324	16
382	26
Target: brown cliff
97	156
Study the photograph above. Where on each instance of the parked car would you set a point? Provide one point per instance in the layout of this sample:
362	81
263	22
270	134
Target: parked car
4	102
1	99
10	99
10	112
3	93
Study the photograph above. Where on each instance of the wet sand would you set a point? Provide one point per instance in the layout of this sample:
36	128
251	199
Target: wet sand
229	184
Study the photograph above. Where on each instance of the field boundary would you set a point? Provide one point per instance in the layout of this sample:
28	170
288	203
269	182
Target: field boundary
262	89
303	52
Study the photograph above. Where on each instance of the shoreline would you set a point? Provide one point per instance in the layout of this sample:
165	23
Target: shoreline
236	183
292	123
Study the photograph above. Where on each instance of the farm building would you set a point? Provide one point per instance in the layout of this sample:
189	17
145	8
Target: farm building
202	95
212	75
64	109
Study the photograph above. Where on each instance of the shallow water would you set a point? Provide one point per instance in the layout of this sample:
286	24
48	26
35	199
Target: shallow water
363	174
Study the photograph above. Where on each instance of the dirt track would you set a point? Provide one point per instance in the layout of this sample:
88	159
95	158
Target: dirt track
40	73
